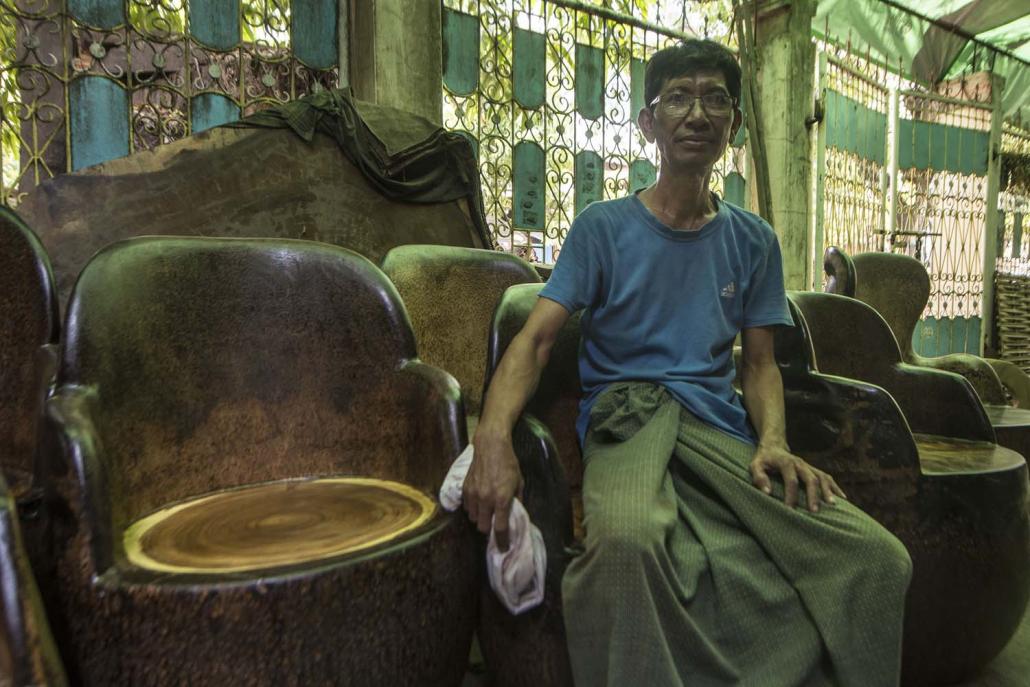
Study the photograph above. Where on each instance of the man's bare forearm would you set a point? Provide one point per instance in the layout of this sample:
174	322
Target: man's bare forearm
512	385
763	398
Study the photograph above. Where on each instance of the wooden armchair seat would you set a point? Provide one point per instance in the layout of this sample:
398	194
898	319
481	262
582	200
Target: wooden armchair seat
276	524
963	519
966	524
247	452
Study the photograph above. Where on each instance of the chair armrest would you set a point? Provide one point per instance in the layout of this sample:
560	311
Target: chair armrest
25	633
856	432
939	402
1015	381
545	493
439	414
76	472
976	370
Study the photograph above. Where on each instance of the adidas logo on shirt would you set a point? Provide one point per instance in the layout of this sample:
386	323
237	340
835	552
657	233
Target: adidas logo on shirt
729	291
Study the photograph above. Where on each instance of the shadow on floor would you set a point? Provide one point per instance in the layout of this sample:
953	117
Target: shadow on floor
1010	669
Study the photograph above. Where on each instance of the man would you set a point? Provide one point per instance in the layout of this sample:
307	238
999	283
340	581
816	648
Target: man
699	568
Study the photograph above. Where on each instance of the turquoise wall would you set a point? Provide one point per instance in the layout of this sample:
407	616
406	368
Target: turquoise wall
934	336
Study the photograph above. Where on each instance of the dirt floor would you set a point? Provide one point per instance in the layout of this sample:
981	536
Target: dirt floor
1010	669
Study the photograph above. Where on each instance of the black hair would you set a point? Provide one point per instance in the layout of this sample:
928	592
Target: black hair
686	57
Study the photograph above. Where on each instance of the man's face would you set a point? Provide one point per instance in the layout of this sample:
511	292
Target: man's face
690	138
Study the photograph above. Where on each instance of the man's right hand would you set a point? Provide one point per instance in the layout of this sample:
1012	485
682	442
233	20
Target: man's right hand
493	480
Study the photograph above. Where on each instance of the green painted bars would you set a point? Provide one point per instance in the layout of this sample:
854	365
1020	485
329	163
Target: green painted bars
105	94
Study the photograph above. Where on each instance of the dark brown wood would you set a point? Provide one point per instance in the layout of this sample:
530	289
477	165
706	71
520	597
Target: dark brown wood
28	320
946	456
198	365
851	339
28	655
266	183
840	272
966	526
898	287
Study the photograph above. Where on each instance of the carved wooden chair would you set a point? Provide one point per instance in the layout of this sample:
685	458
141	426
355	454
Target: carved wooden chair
973	553
898	287
28	321
249	450
966	525
450	294
28	655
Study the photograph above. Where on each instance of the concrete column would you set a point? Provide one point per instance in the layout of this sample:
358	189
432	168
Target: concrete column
343	40
396	54
785	74
994	222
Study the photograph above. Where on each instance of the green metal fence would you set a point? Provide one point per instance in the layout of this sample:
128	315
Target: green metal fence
85	81
904	169
549	90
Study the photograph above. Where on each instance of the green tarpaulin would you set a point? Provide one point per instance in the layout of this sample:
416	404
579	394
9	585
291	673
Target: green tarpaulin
931	39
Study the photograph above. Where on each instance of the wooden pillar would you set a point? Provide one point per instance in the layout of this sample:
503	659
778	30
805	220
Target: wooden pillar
785	75
396	55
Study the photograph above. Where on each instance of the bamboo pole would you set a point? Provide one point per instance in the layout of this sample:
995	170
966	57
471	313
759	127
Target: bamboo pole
745	23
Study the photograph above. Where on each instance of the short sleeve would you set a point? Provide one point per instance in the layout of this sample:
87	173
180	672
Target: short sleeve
575	281
766	302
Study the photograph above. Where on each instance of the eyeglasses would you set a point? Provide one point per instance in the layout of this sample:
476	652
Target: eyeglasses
679	104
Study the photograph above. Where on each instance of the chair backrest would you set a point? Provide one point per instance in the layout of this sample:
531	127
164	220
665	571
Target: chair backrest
556	400
851	340
793	348
220	362
897	287
840	272
28	655
28	320
848	338
450	294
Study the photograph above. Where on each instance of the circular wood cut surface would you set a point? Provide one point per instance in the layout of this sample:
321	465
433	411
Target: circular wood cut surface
948	456
275	524
1007	416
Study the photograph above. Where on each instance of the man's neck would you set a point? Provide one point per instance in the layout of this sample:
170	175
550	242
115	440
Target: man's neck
681	201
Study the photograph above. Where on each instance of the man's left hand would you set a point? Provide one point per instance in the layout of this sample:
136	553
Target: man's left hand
819	486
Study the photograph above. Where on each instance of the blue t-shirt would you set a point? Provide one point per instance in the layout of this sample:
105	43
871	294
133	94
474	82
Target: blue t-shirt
664	306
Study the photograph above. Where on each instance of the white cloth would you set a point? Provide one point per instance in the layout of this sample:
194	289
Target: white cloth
516	575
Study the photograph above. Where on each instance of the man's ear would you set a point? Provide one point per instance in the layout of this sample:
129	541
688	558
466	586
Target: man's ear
645	120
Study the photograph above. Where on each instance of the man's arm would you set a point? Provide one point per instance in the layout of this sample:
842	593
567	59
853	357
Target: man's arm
494	476
763	398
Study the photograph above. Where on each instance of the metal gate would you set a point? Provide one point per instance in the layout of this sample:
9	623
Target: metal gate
905	170
85	81
1013	268
548	91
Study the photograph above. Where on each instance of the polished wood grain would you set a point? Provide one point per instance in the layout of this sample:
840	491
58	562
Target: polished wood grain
944	455
275	524
1007	416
